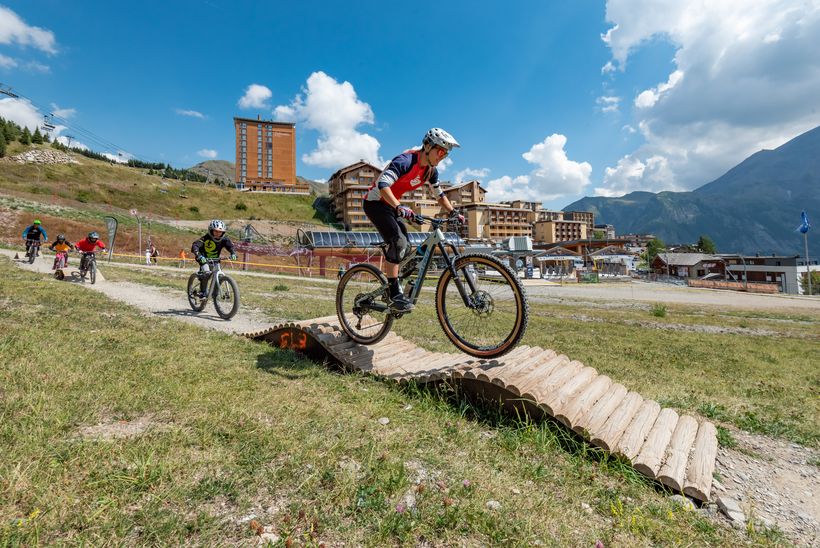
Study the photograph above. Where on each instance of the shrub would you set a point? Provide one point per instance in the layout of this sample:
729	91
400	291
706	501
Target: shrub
659	310
241	206
280	287
193	209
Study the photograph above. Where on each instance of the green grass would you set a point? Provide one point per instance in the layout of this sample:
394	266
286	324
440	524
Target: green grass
95	182
237	428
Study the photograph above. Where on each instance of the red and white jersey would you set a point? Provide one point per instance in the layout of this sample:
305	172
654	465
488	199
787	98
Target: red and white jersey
404	174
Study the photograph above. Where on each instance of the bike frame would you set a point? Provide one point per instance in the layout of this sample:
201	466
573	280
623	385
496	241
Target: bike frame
435	240
213	277
61	256
88	256
34	245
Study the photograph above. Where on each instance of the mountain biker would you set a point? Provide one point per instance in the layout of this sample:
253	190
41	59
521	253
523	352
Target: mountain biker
210	246
33	232
405	172
61	245
89	244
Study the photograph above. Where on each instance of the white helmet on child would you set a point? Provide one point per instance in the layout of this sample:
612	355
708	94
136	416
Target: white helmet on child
439	137
216	224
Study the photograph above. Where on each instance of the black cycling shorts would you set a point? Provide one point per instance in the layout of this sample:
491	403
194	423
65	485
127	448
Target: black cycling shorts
393	231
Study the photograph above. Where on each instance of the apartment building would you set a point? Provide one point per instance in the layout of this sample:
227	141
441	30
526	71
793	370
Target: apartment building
266	156
495	221
550	232
586	217
470	192
347	188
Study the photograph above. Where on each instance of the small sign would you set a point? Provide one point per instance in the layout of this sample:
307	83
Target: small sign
134	212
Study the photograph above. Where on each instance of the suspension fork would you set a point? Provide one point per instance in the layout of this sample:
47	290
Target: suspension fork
463	291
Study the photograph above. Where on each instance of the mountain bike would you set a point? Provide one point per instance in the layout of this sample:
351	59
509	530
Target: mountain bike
224	290
88	266
32	250
480	303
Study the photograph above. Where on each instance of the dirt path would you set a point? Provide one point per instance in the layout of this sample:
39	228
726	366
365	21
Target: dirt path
773	482
158	301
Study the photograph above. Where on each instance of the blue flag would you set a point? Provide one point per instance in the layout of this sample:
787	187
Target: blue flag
804	223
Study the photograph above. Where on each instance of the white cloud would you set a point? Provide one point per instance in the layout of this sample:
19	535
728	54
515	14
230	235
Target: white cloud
191	113
470	174
62	112
444	164
751	80
649	97
14	30
207	153
608	103
72	143
34	66
121	157
7	62
335	111
21	112
554	176
256	96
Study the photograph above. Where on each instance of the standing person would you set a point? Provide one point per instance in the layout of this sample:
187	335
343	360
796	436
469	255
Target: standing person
182	258
341	271
33	232
210	246
154	253
405	172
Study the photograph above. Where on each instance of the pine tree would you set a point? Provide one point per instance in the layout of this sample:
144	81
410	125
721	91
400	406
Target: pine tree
706	245
37	138
46	138
2	145
25	138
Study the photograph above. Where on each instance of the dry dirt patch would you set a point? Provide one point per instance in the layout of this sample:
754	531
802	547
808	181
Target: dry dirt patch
110	429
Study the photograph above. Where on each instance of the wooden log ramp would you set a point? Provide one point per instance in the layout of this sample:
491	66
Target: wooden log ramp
677	451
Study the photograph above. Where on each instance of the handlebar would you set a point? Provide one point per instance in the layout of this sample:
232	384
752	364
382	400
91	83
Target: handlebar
436	222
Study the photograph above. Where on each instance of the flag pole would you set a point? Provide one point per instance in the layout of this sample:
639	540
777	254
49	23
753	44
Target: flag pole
808	263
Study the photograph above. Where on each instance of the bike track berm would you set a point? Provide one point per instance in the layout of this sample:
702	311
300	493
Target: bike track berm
678	451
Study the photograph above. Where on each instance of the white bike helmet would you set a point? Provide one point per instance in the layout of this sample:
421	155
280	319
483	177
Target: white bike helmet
216	224
439	137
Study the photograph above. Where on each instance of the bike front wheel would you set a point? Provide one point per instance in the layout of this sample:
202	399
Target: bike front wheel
482	309
32	254
92	272
193	288
226	298
361	304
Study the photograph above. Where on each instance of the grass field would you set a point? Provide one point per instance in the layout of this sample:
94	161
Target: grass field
123	429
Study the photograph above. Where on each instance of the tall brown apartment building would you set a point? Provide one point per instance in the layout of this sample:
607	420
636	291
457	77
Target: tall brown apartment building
266	156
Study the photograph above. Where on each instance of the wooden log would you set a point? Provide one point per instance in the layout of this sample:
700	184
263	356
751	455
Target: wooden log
673	469
649	460
539	387
594	420
493	374
523	367
519	385
398	360
487	371
701	465
635	435
617	423
583	401
556	401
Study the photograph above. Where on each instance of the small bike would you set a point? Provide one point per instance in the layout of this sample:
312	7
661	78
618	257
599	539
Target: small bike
88	266
32	250
223	288
60	262
480	302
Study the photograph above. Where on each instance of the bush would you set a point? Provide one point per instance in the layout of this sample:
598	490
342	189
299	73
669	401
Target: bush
659	310
193	209
280	287
241	206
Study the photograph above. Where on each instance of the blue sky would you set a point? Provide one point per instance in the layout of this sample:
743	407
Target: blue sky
550	100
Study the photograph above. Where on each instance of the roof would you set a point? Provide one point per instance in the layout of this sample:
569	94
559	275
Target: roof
356	165
314	239
685	259
610	250
257	121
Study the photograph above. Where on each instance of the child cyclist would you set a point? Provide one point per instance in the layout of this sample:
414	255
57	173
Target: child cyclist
405	172
61	247
210	246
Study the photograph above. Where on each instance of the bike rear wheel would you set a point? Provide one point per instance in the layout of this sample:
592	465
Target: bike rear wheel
496	314
226	298
361	304
193	288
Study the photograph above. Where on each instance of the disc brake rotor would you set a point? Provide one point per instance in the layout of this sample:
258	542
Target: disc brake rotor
482	304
